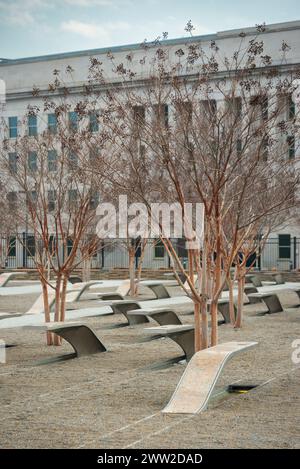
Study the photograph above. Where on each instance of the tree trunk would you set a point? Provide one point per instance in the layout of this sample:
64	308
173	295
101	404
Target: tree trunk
49	337
132	272
231	300
57	340
63	299
86	270
240	304
203	304
197	318
139	269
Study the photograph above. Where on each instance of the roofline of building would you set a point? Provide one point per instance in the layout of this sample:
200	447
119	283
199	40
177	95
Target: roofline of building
271	28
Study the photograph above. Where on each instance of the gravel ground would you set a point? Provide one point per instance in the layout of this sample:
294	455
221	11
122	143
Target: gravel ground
114	399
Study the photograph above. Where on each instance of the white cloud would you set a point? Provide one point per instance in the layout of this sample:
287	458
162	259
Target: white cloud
21	12
91	3
103	32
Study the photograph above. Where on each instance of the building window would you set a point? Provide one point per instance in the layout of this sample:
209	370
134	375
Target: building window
52	160
31	199
239	146
162	114
13	127
291	108
12	162
32	126
32	161
11	251
52	123
284	242
94	124
73	197
12	200
73	121
69	246
30	245
139	116
72	160
291	147
51	200
159	249
52	245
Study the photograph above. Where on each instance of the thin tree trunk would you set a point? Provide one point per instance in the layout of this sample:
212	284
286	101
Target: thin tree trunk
197	319
49	337
132	272
240	303
86	270
203	304
63	299
139	269
57	340
230	283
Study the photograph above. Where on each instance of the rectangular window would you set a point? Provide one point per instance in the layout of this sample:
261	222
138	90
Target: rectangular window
69	246
264	107
12	200
52	123
139	116
161	113
73	121
31	199
94	124
12	162
284	242
159	249
291	109
32	126
73	196
291	147
30	246
52	245
11	252
72	160
32	161
52	160
239	146
13	127
51	200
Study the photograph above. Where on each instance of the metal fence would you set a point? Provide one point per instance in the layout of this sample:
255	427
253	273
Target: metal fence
278	253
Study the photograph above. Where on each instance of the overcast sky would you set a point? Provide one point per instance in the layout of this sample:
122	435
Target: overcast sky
37	27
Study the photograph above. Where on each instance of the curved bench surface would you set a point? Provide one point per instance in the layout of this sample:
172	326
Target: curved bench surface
79	288
83	339
200	377
182	334
163	316
7	276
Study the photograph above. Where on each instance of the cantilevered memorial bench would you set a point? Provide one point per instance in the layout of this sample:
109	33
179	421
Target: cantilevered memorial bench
270	299
36	308
82	338
223	308
78	289
183	335
124	306
198	381
157	287
7	276
162	316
